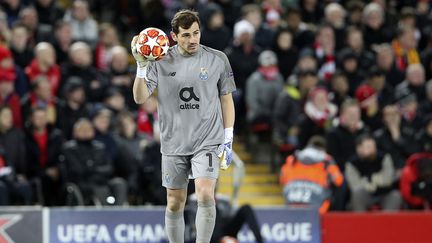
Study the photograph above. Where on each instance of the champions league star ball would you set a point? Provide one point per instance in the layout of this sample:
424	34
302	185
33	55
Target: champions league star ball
228	239
152	44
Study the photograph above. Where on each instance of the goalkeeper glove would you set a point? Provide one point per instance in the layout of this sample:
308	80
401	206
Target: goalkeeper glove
140	60
225	150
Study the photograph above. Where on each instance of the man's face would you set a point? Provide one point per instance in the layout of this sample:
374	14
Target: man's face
47	57
39	119
351	117
43	90
84	131
188	40
6	120
367	149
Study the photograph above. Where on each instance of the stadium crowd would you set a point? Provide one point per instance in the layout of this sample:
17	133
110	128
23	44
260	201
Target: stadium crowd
354	72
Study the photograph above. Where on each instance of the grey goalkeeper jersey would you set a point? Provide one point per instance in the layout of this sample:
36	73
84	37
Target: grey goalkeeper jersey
188	91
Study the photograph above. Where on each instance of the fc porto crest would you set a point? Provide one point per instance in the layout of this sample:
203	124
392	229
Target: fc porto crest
203	74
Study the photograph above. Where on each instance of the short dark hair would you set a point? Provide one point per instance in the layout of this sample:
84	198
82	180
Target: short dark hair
184	18
318	142
363	137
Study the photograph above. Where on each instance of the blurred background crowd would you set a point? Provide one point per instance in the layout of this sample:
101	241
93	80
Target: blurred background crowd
348	79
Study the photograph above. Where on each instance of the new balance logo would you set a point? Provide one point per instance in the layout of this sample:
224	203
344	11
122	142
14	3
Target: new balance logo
172	74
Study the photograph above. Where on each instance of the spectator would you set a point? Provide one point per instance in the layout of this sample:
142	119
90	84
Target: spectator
80	65
407	19
148	119
325	52
114	101
152	13
426	105
416	181
424	136
368	101
5	32
312	172
120	74
73	107
15	187
30	19
88	166
22	53
307	63
341	138
349	65
43	144
371	177
262	88
385	62
318	115
263	33
354	41
287	53
215	33
8	68
8	96
303	36
272	10
242	48
44	65
84	27
288	107
311	11
375	31
339	88
12	9
102	122
394	140
139	161
40	96
108	39
48	12
405	48
354	15
414	82
62	40
335	16
377	80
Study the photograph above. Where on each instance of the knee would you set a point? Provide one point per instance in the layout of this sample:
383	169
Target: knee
175	202
205	194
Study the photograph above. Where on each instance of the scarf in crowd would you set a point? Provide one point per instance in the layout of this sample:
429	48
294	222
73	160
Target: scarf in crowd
269	73
403	58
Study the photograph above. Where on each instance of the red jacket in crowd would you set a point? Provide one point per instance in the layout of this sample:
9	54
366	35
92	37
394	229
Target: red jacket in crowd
52	74
410	174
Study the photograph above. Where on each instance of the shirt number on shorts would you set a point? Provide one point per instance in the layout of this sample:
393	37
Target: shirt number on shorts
210	156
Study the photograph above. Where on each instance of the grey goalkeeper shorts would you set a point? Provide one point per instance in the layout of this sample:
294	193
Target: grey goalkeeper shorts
177	170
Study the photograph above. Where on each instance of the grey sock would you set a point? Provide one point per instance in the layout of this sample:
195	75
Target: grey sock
205	221
174	226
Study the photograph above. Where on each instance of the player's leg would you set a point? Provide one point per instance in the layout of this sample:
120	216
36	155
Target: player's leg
175	170
205	170
174	215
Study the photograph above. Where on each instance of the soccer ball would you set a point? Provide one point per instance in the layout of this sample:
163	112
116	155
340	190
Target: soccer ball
228	239
152	44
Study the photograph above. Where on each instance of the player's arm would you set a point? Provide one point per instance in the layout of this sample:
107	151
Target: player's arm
139	89
228	115
228	112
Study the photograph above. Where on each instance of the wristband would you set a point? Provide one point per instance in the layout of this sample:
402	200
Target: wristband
229	134
141	71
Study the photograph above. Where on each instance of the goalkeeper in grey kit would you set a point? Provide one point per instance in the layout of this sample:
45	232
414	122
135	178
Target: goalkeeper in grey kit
196	111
